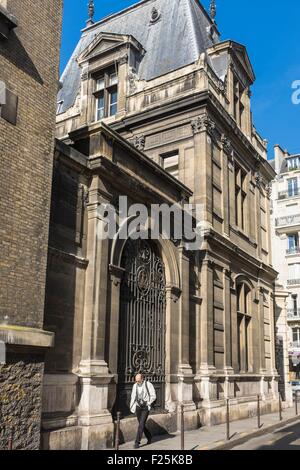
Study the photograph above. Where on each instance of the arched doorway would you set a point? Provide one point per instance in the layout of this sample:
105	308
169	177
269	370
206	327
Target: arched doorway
142	323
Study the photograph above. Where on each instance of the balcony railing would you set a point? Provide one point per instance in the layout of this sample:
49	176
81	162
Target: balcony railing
288	220
293	314
293	251
288	194
293	282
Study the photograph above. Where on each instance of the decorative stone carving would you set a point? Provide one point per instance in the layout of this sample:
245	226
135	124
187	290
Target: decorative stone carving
258	179
139	142
84	76
268	189
123	60
263	184
132	78
203	124
155	15
227	147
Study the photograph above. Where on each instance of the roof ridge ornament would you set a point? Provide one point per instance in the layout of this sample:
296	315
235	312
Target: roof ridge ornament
91	13
213	10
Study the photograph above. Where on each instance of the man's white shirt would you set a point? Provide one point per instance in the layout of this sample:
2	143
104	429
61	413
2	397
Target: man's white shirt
149	398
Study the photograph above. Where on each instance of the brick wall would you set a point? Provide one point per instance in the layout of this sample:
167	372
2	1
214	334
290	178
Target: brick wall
29	67
29	62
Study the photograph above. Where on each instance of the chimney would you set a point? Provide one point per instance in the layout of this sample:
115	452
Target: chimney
279	155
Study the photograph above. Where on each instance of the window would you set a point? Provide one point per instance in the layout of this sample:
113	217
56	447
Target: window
106	95
238	107
244	327
296	337
7	21
170	163
293	187
294	274
293	163
8	104
293	243
241	198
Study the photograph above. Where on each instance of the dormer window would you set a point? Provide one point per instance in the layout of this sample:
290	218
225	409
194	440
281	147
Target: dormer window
293	163
106	95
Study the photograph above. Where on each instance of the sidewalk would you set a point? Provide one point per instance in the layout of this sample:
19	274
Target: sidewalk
214	438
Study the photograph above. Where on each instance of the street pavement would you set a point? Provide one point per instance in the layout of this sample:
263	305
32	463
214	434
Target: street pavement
209	438
287	438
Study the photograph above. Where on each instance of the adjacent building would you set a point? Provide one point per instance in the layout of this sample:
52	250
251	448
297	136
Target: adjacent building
29	63
154	106
286	247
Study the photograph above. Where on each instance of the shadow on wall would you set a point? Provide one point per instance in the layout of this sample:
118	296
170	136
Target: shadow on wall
14	52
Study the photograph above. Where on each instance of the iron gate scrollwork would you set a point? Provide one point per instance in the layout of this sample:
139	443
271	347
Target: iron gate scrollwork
142	321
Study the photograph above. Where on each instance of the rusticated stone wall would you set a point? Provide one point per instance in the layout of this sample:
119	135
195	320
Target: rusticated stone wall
20	401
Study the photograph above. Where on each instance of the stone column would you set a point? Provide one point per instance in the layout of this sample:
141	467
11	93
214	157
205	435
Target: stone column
116	275
258	216
93	370
234	330
207	322
203	127
230	89
262	331
231	191
123	70
272	332
172	354
185	374
257	333
227	153
228	320
282	340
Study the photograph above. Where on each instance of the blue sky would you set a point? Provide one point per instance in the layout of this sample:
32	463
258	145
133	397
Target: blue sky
270	31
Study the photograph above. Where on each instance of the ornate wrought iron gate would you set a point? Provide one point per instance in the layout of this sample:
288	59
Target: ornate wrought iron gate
142	322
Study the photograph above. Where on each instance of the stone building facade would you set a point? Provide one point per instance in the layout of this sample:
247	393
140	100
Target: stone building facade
155	107
285	221
29	61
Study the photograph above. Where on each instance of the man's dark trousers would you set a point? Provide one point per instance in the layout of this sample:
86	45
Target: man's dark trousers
142	416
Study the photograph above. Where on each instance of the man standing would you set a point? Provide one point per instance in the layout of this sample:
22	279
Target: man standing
142	397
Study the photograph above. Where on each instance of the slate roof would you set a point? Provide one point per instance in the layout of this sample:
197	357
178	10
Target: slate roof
176	40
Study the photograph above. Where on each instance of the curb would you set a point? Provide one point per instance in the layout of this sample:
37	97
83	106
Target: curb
244	437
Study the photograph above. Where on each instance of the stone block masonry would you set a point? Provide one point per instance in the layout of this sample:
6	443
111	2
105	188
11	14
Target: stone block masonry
20	401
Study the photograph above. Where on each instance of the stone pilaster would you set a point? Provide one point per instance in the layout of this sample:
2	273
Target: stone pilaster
228	326
282	343
185	374
226	157
93	370
262	332
207	319
234	330
203	128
